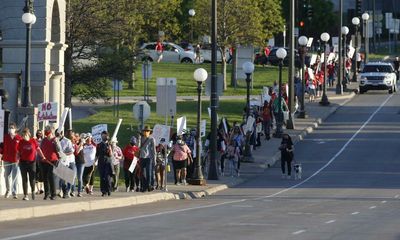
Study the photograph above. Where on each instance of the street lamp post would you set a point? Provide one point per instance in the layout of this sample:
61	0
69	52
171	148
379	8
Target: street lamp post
356	22
29	19
303	51
200	75
365	17
324	100
192	12
345	30
248	68
339	83
212	173
281	54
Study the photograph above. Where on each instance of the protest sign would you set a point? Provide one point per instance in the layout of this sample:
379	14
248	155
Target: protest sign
203	128
161	131
180	125
133	164
96	132
114	136
62	120
47	111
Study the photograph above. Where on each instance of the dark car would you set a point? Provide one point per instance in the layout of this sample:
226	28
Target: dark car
274	60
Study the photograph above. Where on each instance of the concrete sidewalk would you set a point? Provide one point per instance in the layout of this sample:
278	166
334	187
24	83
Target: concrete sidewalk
265	156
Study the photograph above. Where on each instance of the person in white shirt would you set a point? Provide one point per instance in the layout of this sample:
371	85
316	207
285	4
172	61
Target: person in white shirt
117	157
68	160
89	154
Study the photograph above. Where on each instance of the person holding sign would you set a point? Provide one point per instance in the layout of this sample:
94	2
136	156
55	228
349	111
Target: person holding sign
117	157
130	152
103	154
50	150
9	150
27	149
181	156
89	155
160	163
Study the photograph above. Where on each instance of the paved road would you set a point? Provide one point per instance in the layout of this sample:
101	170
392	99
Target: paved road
350	190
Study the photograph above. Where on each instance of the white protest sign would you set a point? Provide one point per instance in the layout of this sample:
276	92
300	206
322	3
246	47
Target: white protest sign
70	118
47	111
203	128
225	125
311	73
133	165
96	132
265	90
249	124
180	125
255	102
62	120
310	41
161	131
64	173
114	136
209	112
266	98
351	52
331	57
313	59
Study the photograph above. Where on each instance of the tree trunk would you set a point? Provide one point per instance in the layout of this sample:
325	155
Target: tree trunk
132	79
233	62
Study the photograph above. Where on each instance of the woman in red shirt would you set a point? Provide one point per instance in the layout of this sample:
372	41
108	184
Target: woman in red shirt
49	149
27	149
131	178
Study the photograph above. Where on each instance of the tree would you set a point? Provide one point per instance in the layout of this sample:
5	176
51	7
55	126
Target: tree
239	22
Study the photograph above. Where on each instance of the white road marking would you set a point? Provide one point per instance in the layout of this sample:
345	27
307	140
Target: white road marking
243	206
372	207
299	213
334	157
397	196
252	224
298	232
211	205
383	202
330	221
355	213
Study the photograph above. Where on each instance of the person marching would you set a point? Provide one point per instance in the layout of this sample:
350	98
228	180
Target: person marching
160	164
130	151
27	150
147	159
89	155
117	157
50	150
103	154
9	150
286	149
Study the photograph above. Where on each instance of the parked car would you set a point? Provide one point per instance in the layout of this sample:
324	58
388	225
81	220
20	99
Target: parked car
274	60
378	76
172	53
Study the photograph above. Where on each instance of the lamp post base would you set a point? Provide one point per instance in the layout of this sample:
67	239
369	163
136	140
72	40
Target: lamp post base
302	114
324	101
199	182
339	89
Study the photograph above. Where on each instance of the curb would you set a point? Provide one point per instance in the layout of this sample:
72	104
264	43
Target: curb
82	206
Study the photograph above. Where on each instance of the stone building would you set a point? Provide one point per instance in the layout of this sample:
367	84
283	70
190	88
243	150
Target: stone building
47	55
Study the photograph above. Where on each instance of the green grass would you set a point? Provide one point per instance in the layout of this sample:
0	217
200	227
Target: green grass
231	109
186	86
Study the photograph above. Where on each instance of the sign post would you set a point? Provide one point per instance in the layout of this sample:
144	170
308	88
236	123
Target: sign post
141	112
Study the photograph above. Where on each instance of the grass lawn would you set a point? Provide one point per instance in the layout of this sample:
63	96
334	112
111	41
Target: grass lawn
231	109
186	86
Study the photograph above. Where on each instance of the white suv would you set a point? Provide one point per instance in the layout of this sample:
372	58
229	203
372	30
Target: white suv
378	76
172	53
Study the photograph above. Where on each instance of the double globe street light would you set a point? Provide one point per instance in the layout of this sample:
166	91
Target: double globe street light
248	68
365	17
303	40
281	54
324	100
356	23
200	75
29	19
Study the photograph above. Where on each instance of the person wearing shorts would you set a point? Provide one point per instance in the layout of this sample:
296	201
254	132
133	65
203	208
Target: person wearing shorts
181	155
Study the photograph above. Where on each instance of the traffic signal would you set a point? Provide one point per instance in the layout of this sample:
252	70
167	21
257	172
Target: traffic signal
358	7
301	24
309	12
